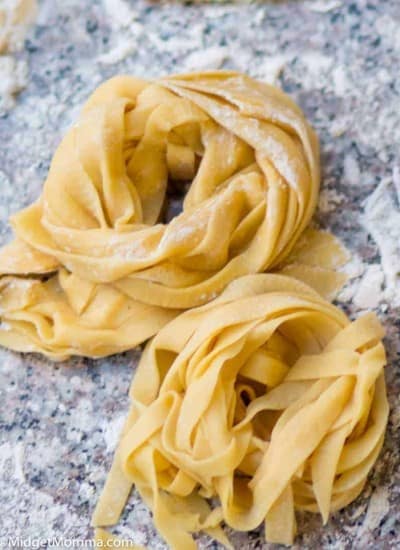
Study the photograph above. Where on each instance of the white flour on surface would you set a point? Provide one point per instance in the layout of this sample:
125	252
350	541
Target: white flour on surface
369	291
382	220
351	170
315	69
11	459
354	269
210	58
340	80
123	48
112	431
341	65
378	284
323	6
271	68
378	508
126	31
13	79
388	28
120	13
19	462
15	18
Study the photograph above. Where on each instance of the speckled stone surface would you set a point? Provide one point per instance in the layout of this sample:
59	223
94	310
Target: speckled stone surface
340	60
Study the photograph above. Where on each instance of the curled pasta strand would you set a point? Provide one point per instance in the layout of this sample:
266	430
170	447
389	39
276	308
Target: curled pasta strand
208	421
96	268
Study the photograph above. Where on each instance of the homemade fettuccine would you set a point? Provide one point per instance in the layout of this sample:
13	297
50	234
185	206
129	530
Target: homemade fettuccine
94	270
267	400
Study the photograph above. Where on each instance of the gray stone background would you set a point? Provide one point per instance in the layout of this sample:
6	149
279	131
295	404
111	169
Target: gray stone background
340	60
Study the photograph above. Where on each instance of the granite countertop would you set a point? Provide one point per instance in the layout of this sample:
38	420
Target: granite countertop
340	60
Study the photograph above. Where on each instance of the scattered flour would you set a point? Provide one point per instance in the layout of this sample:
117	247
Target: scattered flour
372	285
122	49
12	455
369	291
388	29
126	31
112	432
120	13
340	81
382	220
209	58
351	170
182	43
396	180
43	517
270	69
315	69
323	6
354	269
19	462
339	126
378	509
15	18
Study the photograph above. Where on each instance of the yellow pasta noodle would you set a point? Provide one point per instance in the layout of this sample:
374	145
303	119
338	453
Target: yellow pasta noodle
94	270
265	401
262	398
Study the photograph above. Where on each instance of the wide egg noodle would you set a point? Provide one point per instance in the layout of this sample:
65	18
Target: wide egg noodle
93	271
265	401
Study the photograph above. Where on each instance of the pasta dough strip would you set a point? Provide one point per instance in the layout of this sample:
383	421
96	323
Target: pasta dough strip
93	249
260	450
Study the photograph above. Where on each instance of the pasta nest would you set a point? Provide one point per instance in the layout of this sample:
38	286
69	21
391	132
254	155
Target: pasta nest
249	162
267	400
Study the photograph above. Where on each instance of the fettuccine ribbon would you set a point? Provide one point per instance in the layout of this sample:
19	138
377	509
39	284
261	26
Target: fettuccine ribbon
93	271
267	399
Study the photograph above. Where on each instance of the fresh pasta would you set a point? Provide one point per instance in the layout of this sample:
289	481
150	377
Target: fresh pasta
95	269
265	401
256	397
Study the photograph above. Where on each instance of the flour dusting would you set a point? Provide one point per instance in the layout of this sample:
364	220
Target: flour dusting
351	170
120	13
15	18
19	462
340	80
315	69
126	31
210	58
340	62
378	509
382	220
354	269
369	291
323	6
122	49
112	432
271	68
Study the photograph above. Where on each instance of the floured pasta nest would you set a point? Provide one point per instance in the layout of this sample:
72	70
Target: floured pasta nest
93	271
267	400
262	398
